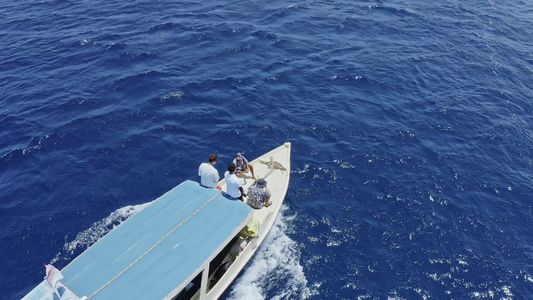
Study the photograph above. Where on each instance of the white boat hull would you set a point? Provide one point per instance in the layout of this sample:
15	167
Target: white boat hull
274	167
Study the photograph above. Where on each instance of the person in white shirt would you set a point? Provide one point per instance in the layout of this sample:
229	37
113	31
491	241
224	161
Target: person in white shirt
233	183
208	174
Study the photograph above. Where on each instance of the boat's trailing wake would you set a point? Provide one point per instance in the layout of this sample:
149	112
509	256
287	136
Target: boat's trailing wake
275	272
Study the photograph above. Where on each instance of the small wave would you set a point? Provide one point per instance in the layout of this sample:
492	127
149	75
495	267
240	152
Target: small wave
36	144
504	292
172	96
352	79
115	47
400	12
265	35
138	57
346	77
305	169
230	51
166	26
344	164
136	79
86	42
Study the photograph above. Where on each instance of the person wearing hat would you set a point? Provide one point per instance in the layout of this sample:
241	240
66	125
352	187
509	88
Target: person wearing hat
259	195
242	165
208	174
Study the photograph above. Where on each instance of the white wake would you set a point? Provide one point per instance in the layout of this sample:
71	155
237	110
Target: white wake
275	270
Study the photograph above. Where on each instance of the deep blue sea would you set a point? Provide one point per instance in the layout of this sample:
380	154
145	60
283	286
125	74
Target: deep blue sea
410	121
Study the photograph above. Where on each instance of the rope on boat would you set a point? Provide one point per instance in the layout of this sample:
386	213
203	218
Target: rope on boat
269	172
151	248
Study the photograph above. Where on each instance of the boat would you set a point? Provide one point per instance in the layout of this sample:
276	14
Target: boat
190	243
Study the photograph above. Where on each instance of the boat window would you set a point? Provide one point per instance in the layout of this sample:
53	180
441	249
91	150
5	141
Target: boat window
191	289
222	262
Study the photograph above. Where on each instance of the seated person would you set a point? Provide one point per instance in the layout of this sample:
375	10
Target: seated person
259	195
208	174
233	183
243	166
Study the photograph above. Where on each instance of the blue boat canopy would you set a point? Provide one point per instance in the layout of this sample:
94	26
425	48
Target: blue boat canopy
159	249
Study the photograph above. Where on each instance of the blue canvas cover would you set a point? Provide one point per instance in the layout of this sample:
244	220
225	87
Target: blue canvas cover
159	248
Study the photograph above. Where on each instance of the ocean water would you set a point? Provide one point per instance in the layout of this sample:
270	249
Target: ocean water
410	122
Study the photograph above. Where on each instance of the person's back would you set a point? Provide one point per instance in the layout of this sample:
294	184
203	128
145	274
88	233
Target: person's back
233	183
259	195
208	174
